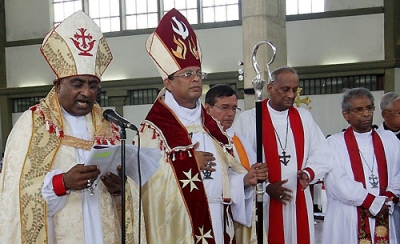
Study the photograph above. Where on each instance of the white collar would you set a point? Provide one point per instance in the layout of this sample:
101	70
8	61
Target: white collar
185	115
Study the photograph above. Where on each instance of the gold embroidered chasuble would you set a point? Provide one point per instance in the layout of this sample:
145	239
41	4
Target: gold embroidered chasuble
50	146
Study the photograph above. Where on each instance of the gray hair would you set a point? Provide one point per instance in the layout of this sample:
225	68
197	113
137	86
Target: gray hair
280	70
387	100
349	94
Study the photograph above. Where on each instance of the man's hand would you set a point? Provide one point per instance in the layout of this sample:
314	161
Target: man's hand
113	182
280	193
258	171
204	159
303	179
80	176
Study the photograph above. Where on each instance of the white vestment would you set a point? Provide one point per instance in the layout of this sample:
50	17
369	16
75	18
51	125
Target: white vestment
396	212
242	197
345	194
317	157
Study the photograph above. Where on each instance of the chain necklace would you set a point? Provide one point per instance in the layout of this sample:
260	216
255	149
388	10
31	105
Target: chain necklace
284	158
373	179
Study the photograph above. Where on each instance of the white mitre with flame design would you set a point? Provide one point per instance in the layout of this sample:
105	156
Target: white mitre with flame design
76	47
173	45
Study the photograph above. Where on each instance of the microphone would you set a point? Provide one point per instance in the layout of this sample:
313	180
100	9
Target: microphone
112	116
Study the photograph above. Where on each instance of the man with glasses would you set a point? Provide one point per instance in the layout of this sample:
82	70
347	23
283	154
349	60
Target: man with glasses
221	102
390	111
48	192
189	198
364	185
296	153
390	107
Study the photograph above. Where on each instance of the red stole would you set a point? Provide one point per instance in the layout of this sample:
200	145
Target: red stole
182	159
364	232
276	228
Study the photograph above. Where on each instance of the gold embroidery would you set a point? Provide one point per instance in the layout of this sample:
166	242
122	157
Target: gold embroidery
59	56
193	49
181	49
77	143
365	241
381	231
39	159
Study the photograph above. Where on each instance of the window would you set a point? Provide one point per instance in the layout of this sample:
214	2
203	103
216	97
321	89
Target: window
145	96
141	14
337	84
102	99
106	14
116	15
64	8
304	6
22	104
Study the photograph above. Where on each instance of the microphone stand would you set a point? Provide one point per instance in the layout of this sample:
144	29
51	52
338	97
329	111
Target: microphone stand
122	134
258	85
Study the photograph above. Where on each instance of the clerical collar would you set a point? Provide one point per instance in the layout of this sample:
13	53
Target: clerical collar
276	113
386	128
186	116
363	135
77	125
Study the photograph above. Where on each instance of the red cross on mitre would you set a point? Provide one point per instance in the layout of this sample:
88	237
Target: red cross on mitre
83	42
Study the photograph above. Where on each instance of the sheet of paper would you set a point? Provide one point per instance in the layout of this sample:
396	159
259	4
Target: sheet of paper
108	157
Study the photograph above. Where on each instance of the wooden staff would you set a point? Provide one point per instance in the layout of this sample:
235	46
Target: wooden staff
258	85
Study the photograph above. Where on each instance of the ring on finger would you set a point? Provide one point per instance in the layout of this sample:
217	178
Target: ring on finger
281	196
208	164
88	183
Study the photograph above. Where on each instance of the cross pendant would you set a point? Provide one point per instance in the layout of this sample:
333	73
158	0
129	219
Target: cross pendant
284	158
373	180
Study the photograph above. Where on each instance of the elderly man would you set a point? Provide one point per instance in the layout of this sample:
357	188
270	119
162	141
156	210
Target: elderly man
198	184
390	107
296	153
364	185
390	111
48	193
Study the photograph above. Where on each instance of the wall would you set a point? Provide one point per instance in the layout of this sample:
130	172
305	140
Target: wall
309	42
332	5
130	58
335	40
328	114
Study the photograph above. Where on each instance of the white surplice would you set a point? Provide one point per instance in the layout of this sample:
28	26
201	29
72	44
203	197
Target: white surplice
396	212
90	203
317	156
345	194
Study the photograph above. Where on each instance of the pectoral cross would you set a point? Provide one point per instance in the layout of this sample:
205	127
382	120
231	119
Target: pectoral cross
284	158
373	180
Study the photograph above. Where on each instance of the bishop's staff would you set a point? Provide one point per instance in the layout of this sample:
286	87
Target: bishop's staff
258	85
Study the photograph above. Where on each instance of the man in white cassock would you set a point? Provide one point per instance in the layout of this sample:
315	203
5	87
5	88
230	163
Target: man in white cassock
296	153
221	102
48	193
390	111
189	198
364	185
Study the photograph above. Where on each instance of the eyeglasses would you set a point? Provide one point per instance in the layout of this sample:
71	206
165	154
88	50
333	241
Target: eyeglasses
94	87
190	73
396	113
227	108
359	110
